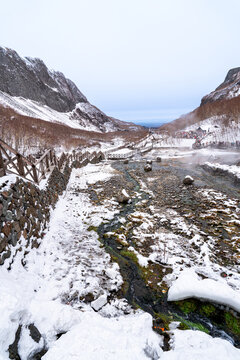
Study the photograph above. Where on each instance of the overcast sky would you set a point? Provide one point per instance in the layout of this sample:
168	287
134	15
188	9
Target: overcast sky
134	59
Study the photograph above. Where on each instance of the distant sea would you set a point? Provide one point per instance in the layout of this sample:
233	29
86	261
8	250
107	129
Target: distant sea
149	124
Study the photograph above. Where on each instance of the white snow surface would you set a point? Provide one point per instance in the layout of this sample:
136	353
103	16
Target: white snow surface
196	345
108	339
190	285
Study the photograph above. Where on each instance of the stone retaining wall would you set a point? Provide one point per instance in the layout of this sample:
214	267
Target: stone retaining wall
25	212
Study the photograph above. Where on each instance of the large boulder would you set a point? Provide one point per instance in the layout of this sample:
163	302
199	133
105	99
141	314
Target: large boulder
188	180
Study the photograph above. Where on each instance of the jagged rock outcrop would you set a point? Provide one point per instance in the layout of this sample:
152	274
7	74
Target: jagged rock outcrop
229	89
31	79
29	88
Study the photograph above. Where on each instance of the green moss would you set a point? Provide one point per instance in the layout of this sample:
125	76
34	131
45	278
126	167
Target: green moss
92	228
187	306
164	318
207	309
186	325
136	306
130	255
233	323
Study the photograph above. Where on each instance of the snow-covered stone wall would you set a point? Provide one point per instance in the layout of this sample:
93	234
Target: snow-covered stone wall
25	212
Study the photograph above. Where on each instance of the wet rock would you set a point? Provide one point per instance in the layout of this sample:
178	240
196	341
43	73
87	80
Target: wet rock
34	333
13	348
148	167
89	297
126	161
158	159
188	180
149	161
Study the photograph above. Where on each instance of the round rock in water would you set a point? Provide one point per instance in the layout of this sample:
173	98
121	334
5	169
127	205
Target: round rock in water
147	167
188	180
149	161
159	159
126	161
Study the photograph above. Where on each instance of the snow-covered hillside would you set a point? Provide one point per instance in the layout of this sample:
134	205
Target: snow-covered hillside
218	113
31	89
229	89
85	116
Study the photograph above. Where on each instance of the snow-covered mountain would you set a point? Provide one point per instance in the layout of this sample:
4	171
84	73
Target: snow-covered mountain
229	89
29	88
218	113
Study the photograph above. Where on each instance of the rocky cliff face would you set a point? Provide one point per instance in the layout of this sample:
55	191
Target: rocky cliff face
31	79
29	88
229	89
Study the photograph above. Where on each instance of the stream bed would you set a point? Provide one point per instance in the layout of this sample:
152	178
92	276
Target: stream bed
191	313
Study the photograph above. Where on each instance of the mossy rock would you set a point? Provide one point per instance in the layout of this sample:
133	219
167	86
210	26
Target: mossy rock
208	310
92	228
130	255
232	323
188	325
187	306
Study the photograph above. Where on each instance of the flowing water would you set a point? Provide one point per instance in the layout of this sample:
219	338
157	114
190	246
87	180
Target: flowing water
135	289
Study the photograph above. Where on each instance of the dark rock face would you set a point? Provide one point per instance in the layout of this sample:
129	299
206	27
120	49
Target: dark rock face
227	90
231	76
31	79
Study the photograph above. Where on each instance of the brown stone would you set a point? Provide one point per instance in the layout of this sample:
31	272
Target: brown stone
35	244
5	194
7	229
24	233
22	221
16	226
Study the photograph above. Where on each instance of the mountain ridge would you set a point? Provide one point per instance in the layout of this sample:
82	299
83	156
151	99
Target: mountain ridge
221	106
31	89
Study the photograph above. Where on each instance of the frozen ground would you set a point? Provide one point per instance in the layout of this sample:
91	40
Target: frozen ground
57	286
59	281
